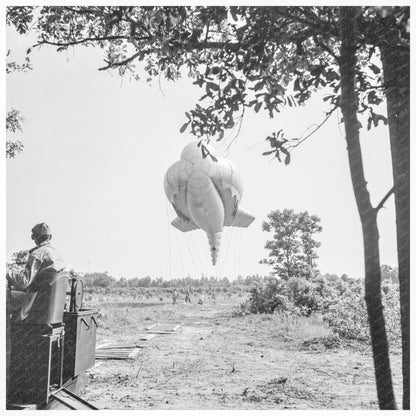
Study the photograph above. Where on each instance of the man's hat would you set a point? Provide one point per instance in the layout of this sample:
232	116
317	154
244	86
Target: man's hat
41	229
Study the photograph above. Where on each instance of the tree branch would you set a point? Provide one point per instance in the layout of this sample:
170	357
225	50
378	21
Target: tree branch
383	201
317	127
77	42
185	47
121	63
319	26
80	11
327	49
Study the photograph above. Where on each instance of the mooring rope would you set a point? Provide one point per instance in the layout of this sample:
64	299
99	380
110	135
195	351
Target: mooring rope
180	251
239	251
190	254
203	264
169	244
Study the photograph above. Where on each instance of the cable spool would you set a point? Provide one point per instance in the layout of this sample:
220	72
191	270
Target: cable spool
77	293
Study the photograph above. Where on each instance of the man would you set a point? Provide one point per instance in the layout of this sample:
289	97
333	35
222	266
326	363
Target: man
174	296
43	264
188	295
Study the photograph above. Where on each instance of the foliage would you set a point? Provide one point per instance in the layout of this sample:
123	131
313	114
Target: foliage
292	251
339	300
212	282
14	119
389	274
18	259
20	17
99	279
14	122
259	58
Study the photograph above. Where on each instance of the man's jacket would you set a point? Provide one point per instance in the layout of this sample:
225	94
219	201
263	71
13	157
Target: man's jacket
43	264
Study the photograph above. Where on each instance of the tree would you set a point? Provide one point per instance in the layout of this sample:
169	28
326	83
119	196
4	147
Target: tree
265	58
368	213
292	251
20	18
394	45
99	279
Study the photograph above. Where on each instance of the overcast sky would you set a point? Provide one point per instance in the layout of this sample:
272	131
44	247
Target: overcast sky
96	151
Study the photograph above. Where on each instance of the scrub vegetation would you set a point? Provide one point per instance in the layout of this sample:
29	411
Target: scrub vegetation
336	300
242	347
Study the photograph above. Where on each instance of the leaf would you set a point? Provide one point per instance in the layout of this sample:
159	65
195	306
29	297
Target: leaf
278	155
384	119
268	152
375	68
377	118
214	159
257	107
273	142
328	97
258	86
287	159
233	13
184	127
213	86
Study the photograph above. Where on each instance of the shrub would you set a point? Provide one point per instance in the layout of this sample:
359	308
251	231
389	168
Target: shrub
340	301
268	298
347	316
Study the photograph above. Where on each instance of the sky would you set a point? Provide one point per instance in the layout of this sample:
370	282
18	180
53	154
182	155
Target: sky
96	150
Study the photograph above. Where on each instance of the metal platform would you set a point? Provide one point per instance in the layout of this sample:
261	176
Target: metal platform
66	400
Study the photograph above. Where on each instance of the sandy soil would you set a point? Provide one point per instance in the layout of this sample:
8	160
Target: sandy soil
218	361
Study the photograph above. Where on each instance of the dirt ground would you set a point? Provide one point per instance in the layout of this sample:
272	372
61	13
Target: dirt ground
219	361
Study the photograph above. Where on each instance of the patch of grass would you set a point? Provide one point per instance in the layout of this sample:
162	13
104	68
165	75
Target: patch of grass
301	328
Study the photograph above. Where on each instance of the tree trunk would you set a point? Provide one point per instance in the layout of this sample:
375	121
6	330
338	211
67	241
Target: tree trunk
368	214
396	67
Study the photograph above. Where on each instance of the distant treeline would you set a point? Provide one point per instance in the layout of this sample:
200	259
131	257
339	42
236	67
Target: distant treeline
103	279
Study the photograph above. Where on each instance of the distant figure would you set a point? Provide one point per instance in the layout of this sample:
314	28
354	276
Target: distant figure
200	301
43	264
188	296
174	296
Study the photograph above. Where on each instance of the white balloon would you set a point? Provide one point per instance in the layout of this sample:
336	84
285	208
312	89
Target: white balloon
205	194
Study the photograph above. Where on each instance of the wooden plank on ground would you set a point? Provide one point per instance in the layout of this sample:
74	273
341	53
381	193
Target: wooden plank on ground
165	329
120	346
152	326
146	337
102	345
117	354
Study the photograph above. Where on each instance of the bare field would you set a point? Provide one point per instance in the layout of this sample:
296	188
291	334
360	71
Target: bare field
220	361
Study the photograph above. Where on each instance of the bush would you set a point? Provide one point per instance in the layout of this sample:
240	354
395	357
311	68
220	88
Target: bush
340	301
347	316
296	294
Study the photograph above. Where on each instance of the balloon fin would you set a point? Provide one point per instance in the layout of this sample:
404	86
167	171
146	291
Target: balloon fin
183	225
241	219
